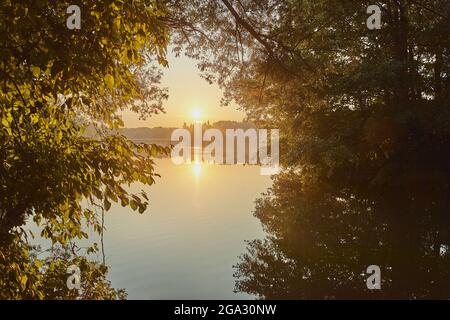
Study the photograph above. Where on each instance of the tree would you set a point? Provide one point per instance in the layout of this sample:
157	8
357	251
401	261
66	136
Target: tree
27	272
54	83
320	242
364	114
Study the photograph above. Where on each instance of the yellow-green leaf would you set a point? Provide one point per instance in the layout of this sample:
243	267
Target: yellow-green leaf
36	71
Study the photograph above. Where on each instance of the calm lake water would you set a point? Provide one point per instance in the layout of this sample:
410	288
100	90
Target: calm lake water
185	244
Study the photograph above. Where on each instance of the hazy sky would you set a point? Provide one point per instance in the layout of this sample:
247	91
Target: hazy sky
187	92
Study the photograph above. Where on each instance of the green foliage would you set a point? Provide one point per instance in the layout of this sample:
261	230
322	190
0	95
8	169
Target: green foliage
54	83
28	273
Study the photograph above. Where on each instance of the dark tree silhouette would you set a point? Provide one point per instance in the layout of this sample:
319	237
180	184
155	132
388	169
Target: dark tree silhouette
365	127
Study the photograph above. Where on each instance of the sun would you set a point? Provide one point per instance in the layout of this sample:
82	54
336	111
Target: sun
197	169
196	114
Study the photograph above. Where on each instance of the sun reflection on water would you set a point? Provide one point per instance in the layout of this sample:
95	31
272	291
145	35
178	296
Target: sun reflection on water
197	168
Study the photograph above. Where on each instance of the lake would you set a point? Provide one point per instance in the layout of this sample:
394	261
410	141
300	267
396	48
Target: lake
185	245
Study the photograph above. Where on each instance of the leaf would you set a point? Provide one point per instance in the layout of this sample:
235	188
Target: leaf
107	204
23	281
34	118
142	209
109	81
5	123
133	205
36	71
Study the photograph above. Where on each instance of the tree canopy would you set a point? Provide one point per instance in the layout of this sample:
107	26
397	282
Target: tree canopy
364	119
54	83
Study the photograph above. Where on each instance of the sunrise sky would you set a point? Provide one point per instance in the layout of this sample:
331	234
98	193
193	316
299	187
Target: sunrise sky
190	98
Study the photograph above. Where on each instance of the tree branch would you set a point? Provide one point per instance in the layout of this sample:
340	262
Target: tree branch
259	37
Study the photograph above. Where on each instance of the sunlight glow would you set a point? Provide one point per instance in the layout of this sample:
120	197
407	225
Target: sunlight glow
197	169
196	114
